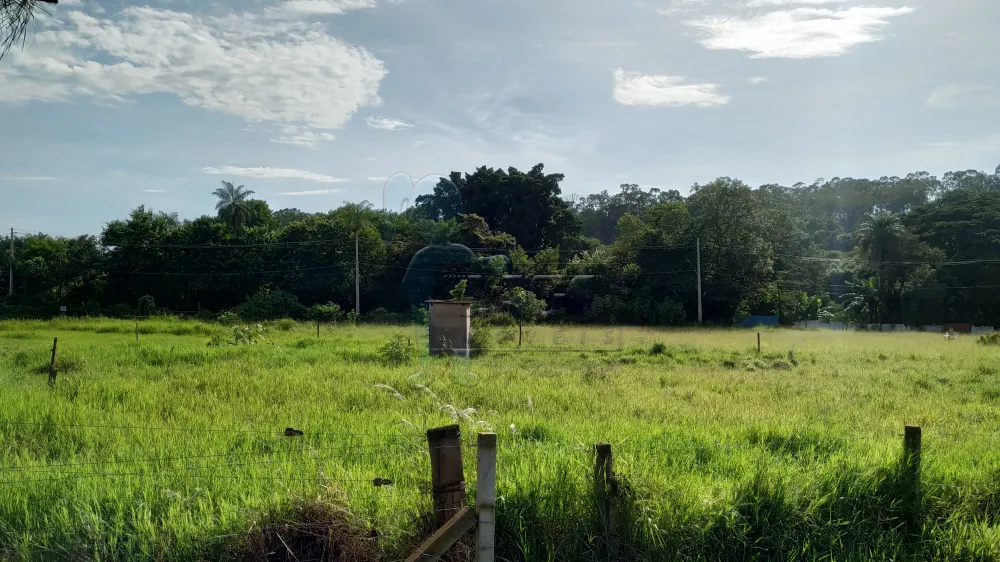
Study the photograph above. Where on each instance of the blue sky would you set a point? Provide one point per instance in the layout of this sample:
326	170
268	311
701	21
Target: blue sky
314	102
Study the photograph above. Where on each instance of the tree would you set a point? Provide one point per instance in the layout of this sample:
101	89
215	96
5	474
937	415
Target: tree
233	205
880	239
524	307
525	205
359	217
15	17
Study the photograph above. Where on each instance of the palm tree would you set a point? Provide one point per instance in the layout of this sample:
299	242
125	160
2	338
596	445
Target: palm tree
15	17
232	205
878	239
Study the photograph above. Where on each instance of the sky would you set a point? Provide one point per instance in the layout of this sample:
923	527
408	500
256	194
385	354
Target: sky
310	103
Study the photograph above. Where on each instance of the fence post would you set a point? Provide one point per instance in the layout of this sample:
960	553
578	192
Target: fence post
137	331
52	364
758	343
317	328
911	467
486	495
604	490
447	478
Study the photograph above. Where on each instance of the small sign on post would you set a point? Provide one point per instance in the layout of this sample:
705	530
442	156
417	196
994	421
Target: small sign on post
62	310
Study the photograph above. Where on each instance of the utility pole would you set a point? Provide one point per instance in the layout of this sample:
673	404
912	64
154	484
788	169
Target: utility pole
10	288
357	277
698	242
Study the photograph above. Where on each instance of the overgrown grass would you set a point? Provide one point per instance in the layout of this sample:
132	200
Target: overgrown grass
168	449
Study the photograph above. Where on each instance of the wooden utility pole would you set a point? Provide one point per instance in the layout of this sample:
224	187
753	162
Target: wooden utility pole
10	288
698	242
357	277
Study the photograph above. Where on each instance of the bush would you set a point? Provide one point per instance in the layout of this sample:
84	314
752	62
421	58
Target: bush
669	312
329	312
398	350
271	306
229	318
990	339
420	316
659	348
120	311
480	339
353	317
147	306
502	319
383	316
285	324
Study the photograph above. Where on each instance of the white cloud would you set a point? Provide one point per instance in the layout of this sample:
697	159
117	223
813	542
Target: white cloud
633	88
26	178
754	80
248	65
323	7
271	174
954	95
298	136
379	178
799	33
386	124
759	3
154	190
311	192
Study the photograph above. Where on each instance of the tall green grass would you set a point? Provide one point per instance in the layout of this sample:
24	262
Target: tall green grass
169	449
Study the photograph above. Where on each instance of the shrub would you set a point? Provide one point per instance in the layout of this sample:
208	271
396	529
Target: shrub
120	311
383	316
248	334
420	315
271	306
458	293
990	339
669	312
229	318
353	317
659	348
499	319
480	339
329	312
147	306
397	351
285	324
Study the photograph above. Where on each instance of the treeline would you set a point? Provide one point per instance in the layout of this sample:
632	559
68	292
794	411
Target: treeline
914	250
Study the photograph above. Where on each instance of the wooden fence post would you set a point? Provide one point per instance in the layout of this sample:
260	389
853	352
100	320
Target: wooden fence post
911	467
486	495
317	328
604	490
52	364
447	477
758	343
136	331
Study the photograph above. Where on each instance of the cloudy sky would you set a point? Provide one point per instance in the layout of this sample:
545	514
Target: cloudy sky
314	102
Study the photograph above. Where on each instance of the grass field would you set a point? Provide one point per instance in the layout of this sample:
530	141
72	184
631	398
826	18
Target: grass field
169	449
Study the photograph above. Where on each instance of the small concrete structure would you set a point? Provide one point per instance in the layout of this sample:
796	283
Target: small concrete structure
450	326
